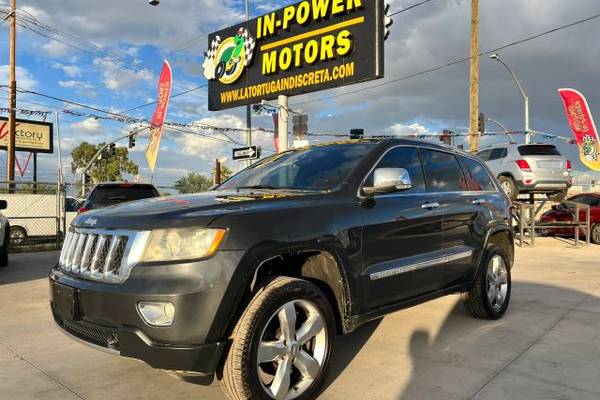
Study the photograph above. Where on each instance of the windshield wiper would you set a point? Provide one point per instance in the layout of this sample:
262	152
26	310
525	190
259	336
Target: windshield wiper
260	187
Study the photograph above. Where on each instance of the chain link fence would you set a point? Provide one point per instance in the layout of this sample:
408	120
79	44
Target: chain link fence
39	213
35	212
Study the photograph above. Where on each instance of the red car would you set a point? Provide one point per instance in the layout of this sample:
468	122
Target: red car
565	212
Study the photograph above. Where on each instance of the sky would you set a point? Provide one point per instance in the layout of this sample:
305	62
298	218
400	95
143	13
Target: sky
117	48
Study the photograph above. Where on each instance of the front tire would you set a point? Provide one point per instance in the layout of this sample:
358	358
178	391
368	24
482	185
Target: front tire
490	295
281	345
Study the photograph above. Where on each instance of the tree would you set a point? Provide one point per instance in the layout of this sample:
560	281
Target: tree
193	183
110	169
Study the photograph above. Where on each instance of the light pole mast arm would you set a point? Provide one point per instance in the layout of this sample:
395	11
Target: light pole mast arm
89	164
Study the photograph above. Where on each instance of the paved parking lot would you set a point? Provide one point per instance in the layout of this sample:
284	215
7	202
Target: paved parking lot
547	347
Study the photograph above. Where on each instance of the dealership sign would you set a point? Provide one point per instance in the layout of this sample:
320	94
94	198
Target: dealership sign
305	47
32	136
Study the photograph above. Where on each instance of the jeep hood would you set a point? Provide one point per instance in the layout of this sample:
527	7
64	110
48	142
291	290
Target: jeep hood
185	210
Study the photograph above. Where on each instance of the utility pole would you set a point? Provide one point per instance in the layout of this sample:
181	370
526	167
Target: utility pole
474	84
12	102
282	123
217	172
248	109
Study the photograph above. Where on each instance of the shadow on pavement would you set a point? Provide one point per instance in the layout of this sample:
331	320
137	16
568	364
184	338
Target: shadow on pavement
28	266
466	357
347	347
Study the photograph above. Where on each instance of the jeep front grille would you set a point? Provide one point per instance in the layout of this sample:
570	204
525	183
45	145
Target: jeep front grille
103	255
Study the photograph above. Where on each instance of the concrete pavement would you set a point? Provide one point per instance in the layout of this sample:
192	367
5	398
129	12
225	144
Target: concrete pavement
547	346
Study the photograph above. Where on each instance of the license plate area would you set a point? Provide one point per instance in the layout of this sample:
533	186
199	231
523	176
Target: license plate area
64	301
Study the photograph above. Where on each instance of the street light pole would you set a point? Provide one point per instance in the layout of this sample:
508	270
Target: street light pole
525	98
248	109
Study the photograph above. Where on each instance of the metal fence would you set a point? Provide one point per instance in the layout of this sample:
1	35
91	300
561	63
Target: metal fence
40	213
35	214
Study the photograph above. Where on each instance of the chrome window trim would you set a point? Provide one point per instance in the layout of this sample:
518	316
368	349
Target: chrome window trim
420	265
425	193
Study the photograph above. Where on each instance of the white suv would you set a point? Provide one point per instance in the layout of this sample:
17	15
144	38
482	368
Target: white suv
529	168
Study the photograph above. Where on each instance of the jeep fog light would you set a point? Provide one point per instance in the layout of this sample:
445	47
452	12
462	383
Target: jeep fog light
157	313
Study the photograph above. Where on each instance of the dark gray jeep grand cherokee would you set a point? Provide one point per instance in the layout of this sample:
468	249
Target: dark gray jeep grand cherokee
252	280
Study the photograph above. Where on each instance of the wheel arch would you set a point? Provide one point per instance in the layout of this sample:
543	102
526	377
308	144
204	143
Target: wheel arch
318	266
500	235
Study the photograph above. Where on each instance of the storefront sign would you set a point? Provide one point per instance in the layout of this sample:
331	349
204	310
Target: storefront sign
32	136
305	47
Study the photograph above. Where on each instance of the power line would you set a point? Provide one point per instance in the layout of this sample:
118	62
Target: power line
409	8
172	96
455	62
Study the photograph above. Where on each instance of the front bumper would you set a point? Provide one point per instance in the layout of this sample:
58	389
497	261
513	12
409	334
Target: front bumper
105	315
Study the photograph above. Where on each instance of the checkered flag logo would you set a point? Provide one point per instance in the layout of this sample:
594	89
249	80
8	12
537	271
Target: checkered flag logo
214	45
249	45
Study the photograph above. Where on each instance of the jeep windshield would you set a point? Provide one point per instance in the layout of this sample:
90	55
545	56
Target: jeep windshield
316	168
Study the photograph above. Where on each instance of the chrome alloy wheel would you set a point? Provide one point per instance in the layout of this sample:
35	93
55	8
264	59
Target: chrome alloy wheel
292	350
497	282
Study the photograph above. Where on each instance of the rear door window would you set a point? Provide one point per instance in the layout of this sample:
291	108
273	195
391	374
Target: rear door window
107	195
407	158
442	172
485	154
498	154
477	177
538	150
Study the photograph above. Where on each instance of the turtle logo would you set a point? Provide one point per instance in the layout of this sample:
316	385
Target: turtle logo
226	59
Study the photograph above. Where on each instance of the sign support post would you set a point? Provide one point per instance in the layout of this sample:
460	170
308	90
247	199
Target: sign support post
12	103
282	123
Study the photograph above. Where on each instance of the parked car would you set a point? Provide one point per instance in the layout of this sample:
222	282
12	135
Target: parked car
110	194
4	235
529	168
253	279
37	215
565	212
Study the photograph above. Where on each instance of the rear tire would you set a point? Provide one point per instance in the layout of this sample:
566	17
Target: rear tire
595	234
17	234
509	187
281	345
490	295
557	197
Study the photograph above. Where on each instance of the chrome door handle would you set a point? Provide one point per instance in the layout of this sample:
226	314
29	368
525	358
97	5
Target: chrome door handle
478	202
430	205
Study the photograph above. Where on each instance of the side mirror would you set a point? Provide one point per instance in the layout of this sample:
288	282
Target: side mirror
3	205
388	180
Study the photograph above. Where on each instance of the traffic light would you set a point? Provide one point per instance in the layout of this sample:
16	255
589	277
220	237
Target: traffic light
481	124
112	151
356	134
131	141
387	21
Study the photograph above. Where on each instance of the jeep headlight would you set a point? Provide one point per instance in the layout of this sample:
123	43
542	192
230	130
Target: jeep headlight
182	244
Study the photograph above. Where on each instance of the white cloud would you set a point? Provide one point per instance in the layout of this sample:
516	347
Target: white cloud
55	49
73	84
412	129
87	126
24	78
72	71
116	77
